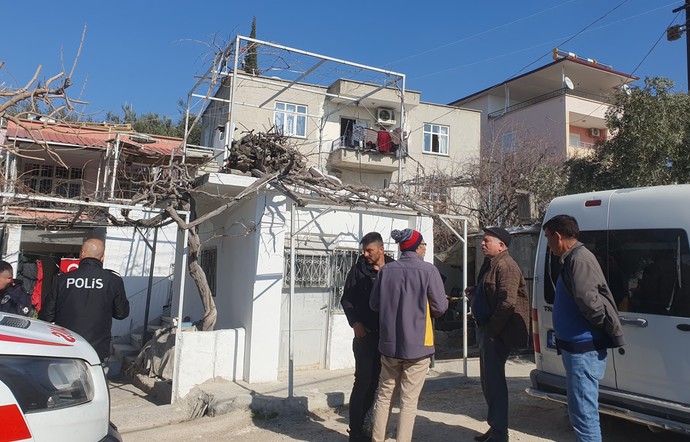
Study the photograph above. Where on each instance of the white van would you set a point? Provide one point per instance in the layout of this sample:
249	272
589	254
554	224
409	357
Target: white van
640	237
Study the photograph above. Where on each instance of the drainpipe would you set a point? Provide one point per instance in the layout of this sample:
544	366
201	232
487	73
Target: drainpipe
291	349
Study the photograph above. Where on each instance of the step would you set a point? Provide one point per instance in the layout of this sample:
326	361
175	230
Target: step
123	350
135	339
166	321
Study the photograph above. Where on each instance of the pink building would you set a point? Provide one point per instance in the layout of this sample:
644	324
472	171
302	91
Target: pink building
563	104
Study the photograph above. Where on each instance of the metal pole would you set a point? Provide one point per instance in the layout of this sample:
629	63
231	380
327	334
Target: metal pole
464	297
687	42
148	293
291	361
178	331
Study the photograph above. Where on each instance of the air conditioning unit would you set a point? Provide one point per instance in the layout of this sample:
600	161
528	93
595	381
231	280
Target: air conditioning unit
385	116
594	132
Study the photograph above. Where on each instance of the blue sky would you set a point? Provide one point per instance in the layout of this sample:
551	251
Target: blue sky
147	53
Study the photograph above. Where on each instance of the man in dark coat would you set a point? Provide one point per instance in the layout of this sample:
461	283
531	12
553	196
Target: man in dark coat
365	324
500	307
87	299
13	297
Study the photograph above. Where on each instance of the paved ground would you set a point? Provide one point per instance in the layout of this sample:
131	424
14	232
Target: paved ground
451	408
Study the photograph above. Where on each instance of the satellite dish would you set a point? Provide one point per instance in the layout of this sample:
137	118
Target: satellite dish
567	82
626	89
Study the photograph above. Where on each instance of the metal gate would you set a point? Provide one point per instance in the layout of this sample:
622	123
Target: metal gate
319	281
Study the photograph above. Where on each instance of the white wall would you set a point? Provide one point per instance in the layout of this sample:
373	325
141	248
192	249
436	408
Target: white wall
127	253
209	355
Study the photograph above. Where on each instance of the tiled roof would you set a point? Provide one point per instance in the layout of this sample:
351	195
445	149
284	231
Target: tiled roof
95	137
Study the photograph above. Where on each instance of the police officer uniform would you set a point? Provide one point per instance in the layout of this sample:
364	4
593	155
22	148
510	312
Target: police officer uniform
85	301
14	299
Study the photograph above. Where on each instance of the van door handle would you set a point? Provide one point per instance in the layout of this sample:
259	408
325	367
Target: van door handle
639	322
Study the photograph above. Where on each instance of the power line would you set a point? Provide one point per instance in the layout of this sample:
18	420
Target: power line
572	37
655	44
445	45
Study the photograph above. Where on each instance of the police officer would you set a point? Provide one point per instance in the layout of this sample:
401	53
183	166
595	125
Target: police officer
85	300
13	297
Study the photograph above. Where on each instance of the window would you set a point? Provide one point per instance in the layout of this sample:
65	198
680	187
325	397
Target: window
291	119
574	140
435	139
508	142
209	258
132	179
53	180
647	270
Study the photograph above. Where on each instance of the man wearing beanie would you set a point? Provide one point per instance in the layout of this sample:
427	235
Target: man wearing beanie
407	294
500	306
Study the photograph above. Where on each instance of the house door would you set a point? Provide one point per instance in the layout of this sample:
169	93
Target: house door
346	128
310	307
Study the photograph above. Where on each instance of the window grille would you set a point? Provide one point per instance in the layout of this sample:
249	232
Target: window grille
209	258
311	270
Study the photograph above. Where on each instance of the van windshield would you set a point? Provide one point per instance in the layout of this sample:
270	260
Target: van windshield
648	270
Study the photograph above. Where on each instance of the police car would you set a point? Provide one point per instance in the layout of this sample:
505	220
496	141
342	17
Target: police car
52	385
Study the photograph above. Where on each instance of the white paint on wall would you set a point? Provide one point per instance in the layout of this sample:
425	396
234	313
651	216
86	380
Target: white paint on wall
204	356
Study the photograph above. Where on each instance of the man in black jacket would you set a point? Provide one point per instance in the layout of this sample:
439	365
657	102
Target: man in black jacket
365	324
13	297
85	300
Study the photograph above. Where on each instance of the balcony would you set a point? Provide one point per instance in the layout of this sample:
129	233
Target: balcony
346	156
547	96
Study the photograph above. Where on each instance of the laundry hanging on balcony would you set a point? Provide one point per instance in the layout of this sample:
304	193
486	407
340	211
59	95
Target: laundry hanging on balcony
384	141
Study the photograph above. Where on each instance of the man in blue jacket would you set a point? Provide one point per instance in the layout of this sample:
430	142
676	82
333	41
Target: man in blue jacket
407	294
585	318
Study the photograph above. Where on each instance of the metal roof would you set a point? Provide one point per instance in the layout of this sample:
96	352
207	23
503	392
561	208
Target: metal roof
93	137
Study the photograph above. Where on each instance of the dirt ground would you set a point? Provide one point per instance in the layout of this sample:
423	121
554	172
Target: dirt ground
448	411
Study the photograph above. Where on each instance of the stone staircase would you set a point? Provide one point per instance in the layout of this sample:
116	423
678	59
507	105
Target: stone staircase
125	349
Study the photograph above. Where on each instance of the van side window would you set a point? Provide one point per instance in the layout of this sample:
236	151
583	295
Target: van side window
655	264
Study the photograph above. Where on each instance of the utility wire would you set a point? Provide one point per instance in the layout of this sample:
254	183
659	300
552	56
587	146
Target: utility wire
445	45
572	37
655	44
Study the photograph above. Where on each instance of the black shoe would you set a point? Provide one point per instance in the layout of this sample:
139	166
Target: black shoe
484	437
359	437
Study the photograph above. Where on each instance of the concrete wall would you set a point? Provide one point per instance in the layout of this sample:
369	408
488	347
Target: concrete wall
464	124
463	140
545	121
203	356
127	253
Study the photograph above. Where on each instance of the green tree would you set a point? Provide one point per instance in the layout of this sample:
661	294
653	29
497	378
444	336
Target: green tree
154	124
251	59
650	144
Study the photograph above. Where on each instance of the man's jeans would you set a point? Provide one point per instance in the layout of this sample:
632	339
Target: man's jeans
583	371
367	370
